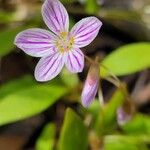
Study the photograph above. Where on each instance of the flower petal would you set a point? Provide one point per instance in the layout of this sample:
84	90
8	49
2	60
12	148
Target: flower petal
89	92
55	16
75	61
49	67
36	42
85	31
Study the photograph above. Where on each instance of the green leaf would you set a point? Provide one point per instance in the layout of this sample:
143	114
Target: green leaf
106	120
46	140
95	109
127	59
69	79
28	101
16	85
119	142
111	107
73	134
7	37
140	124
20	84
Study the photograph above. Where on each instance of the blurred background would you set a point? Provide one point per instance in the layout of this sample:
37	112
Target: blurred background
30	110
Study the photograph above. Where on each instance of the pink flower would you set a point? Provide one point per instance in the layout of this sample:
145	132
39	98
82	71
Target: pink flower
58	47
91	85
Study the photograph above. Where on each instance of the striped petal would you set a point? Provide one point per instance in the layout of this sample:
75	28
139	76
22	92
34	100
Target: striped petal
55	16
85	31
75	61
49	67
36	42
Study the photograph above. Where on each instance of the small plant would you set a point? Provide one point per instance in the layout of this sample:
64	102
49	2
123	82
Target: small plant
114	124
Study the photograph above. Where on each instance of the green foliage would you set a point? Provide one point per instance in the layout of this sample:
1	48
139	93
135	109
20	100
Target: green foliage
107	115
140	124
47	138
23	100
120	14
91	6
7	37
119	142
94	108
68	2
6	17
71	22
68	78
73	134
127	59
16	85
111	107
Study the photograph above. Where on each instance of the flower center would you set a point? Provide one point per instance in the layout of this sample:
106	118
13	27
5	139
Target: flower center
64	43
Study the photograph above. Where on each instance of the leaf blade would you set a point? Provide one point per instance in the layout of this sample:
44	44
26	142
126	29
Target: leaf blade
47	137
28	101
74	133
127	59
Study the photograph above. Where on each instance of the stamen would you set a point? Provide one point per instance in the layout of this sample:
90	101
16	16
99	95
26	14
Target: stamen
64	43
63	34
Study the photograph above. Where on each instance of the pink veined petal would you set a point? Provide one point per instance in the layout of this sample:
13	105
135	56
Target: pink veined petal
49	67
75	61
36	42
85	31
55	16
89	93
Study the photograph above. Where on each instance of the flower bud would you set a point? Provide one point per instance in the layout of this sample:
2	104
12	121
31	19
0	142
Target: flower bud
125	112
122	116
91	85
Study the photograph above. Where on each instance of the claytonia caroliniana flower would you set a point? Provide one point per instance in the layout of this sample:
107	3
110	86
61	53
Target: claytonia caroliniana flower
91	85
58	47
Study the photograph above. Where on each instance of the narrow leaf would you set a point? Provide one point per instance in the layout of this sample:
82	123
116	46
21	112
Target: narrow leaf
47	138
73	134
106	120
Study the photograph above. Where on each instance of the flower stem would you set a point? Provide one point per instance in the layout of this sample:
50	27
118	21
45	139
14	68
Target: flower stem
89	59
100	96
